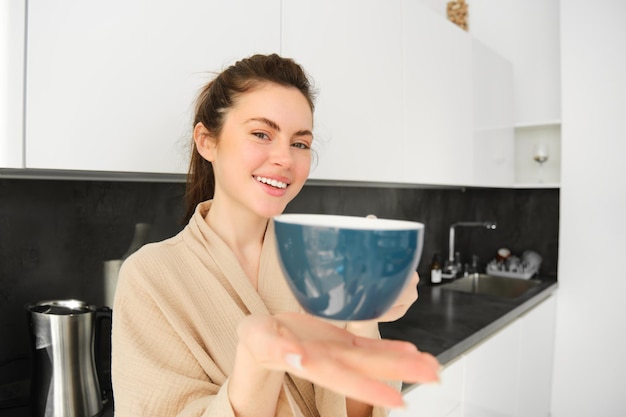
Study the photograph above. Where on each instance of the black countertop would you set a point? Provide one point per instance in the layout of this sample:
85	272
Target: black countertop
447	323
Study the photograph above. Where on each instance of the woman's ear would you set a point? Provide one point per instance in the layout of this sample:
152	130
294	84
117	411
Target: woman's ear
205	142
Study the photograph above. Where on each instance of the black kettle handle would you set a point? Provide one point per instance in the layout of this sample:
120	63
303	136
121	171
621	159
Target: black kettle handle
102	350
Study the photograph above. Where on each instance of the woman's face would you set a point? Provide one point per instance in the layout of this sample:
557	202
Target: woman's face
263	154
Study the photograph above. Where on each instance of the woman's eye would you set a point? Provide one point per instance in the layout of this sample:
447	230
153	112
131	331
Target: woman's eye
261	135
301	145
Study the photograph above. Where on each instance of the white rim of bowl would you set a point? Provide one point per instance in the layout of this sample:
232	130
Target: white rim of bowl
347	222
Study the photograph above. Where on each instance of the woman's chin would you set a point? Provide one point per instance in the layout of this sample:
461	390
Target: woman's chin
271	210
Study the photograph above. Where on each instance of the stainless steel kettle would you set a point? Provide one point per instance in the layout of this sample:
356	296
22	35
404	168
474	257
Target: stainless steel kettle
65	379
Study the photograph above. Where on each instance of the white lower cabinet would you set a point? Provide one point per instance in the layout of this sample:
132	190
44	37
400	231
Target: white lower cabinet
536	360
492	375
441	400
507	375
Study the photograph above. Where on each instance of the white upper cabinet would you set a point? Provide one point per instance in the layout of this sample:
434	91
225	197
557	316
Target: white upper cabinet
352	49
405	96
12	22
437	113
494	136
527	34
111	85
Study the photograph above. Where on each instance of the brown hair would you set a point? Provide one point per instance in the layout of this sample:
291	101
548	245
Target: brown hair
219	95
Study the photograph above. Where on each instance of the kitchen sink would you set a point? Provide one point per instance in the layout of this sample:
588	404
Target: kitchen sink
490	285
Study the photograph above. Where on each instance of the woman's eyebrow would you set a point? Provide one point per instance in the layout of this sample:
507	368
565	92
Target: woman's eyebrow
266	121
274	125
304	132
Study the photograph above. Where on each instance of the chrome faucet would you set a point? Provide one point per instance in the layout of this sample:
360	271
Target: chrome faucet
491	225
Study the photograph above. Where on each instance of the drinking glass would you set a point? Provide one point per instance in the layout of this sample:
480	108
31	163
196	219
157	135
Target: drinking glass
541	152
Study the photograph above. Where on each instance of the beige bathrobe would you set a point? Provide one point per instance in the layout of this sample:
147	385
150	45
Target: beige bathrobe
177	307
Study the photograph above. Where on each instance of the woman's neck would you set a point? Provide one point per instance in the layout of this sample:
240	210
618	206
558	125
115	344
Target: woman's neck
237	227
243	232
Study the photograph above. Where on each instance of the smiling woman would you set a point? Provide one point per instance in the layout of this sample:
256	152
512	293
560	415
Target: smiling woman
266	134
221	94
205	323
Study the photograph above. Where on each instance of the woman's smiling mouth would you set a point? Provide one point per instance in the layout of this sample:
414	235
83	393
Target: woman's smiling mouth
273	183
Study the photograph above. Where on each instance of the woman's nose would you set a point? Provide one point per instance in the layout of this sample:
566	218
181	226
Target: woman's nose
281	155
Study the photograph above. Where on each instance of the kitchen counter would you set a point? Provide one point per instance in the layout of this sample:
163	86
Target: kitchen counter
447	323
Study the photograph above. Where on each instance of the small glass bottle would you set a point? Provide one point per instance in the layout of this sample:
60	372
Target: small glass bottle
435	270
458	264
473	269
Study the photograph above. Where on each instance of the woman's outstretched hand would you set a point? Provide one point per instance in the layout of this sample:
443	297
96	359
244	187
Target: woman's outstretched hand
332	357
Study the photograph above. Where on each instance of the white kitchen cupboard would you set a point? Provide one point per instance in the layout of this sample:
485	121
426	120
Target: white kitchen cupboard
438	103
111	85
352	49
440	400
527	34
510	374
12	22
492	375
528	173
537	360
407	100
494	136
507	375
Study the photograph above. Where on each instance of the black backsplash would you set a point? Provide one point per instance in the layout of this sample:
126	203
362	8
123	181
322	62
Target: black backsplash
527	219
55	236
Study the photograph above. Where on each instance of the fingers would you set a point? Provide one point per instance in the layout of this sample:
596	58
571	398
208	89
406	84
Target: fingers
334	358
321	369
307	327
358	369
386	359
396	368
393	360
385	344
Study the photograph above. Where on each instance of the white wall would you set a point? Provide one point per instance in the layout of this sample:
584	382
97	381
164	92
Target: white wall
590	355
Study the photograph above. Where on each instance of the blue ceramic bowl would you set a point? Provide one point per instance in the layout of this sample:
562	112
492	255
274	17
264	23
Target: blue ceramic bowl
347	268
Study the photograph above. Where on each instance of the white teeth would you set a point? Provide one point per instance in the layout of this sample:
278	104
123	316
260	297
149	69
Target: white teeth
271	182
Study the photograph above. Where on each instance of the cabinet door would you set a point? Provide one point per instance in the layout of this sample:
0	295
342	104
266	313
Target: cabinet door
436	400
438	122
537	357
527	34
492	375
494	147
111	85
352	50
12	22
